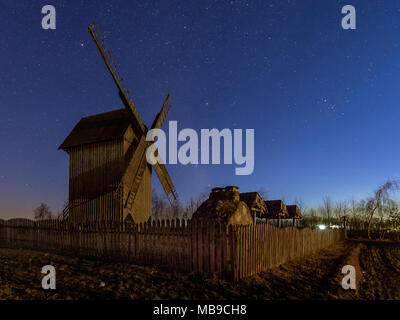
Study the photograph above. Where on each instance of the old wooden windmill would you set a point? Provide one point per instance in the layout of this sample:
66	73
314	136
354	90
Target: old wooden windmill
109	177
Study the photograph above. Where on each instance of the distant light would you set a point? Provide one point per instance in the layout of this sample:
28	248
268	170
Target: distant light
322	227
335	226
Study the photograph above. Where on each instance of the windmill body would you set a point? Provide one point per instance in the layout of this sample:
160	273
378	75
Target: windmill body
110	179
99	147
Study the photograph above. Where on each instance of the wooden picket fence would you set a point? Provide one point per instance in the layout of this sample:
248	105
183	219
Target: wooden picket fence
232	252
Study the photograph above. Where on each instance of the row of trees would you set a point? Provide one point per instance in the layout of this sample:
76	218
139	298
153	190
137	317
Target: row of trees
43	212
377	214
162	209
358	216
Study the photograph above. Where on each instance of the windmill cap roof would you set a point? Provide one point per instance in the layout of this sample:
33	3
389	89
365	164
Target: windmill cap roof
101	127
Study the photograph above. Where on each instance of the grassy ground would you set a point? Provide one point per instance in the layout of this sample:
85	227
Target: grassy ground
316	277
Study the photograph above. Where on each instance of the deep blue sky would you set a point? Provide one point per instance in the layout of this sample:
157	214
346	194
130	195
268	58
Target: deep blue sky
324	102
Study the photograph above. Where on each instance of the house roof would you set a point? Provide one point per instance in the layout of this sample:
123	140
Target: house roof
250	197
216	210
254	201
101	127
224	205
276	208
293	211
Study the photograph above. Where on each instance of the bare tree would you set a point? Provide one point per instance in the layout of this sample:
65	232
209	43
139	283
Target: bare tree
337	210
175	210
379	199
328	208
345	208
162	209
191	206
300	203
263	193
340	212
42	212
309	218
159	205
194	203
354	210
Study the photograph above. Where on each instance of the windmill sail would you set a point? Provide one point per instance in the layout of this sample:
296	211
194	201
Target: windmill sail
139	162
160	169
166	182
111	66
159	120
136	162
133	174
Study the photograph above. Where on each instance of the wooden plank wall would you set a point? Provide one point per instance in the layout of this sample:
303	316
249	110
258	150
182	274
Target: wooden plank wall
92	168
232	252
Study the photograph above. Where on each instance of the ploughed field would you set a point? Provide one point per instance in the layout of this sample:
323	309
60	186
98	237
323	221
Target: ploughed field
315	277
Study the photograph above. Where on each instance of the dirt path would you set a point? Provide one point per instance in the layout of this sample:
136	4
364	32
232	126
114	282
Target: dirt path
316	277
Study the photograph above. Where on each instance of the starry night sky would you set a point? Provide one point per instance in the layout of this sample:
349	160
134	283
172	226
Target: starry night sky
324	102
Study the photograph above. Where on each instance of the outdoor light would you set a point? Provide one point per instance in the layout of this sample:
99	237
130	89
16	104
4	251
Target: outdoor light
322	227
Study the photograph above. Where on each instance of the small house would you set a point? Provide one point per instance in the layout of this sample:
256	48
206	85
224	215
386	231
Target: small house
276	210
294	213
224	206
255	203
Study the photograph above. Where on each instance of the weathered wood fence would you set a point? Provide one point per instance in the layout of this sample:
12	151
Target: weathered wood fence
185	246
